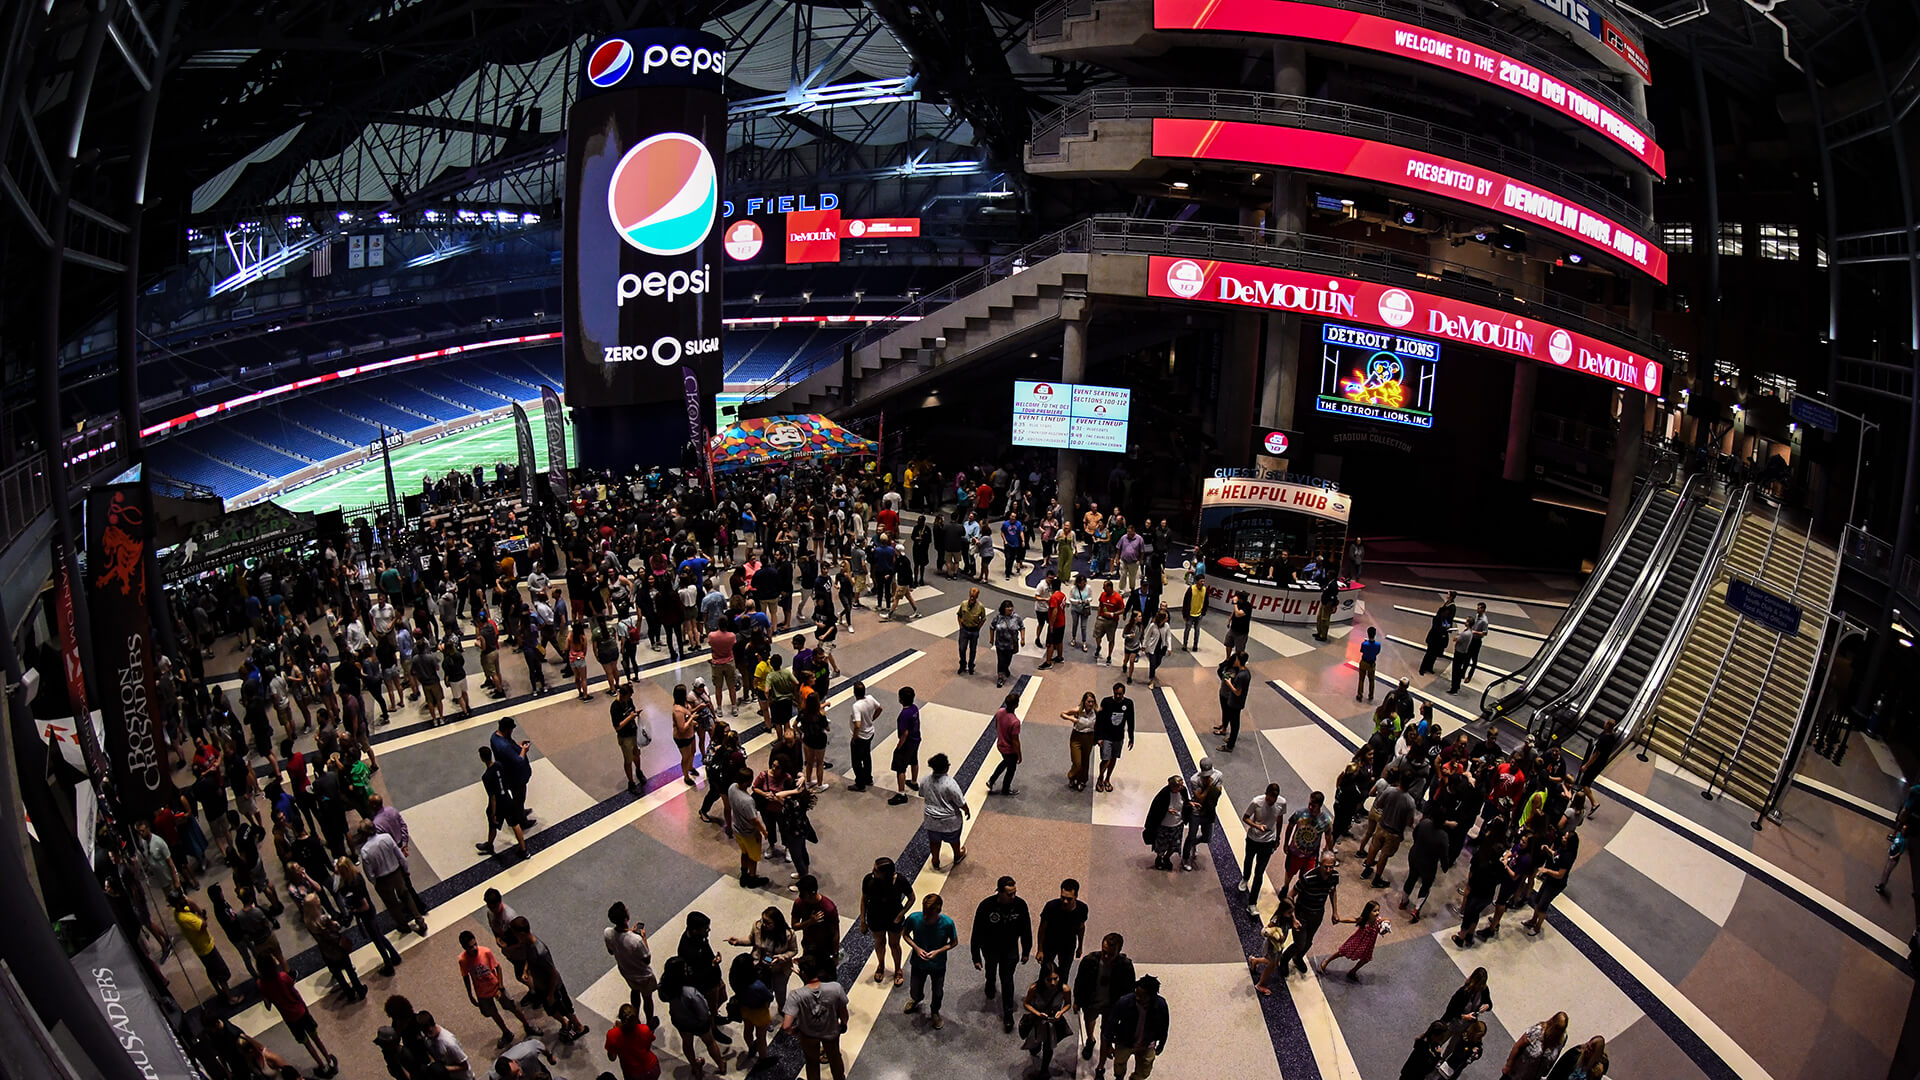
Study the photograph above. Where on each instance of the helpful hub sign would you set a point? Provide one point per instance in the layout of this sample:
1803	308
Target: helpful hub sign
1384	163
1394	308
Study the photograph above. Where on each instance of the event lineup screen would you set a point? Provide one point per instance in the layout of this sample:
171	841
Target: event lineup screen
1377	375
1071	416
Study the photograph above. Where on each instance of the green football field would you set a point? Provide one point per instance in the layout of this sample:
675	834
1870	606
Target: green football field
363	485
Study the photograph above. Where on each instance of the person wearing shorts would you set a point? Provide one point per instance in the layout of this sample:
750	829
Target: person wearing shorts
744	824
480	972
726	674
1113	730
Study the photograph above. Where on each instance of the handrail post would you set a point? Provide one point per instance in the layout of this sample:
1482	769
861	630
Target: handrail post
1715	777
1653	725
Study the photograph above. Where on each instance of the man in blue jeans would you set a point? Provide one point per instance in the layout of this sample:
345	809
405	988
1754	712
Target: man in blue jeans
1369	656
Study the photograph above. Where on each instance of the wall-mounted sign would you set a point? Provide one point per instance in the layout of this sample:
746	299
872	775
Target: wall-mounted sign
1384	163
1374	304
1338	26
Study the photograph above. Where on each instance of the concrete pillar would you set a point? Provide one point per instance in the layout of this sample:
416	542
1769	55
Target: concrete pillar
1526	378
1239	382
1073	368
1626	457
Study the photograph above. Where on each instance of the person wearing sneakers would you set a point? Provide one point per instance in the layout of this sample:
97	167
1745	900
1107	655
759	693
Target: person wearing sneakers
906	747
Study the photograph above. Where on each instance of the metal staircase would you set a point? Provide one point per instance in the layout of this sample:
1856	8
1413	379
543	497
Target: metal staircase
1738	689
1559	666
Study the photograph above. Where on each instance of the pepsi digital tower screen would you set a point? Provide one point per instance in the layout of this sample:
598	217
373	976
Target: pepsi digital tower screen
1377	375
646	152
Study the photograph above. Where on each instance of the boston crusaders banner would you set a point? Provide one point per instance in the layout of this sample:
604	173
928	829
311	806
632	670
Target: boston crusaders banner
119	559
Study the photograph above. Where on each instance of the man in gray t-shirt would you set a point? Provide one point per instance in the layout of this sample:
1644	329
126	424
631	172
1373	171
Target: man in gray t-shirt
1396	809
816	1012
946	809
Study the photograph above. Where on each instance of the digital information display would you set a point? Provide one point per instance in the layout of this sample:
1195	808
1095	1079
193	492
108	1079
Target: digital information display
1071	416
1338	26
1377	375
1384	163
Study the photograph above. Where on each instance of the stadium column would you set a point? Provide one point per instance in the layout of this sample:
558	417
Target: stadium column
128	323
1526	377
1073	369
1629	438
1280	348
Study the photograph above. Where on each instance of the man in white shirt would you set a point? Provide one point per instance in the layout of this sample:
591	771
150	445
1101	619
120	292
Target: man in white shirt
382	617
445	1049
1262	819
865	711
537	580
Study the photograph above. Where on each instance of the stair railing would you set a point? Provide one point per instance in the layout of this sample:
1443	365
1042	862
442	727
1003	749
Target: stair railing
1717	551
1633	607
1706	699
1577	610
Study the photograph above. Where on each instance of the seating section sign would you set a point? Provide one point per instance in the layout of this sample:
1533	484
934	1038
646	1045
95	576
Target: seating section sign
1071	416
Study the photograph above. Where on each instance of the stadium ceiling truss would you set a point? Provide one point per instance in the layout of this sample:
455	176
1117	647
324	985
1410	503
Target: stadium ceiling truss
880	103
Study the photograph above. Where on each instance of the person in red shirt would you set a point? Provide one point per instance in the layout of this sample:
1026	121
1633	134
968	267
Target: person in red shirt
630	1043
1106	622
1056	625
889	520
277	991
983	500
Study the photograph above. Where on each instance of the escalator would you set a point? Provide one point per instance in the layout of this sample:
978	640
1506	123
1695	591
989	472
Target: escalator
1644	656
1559	665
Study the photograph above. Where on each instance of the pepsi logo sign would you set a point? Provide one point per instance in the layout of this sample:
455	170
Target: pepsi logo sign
1650	378
1276	443
1186	278
664	194
856	227
609	63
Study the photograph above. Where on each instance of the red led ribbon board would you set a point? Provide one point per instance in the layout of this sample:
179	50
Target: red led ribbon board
1351	300
1384	163
1284	18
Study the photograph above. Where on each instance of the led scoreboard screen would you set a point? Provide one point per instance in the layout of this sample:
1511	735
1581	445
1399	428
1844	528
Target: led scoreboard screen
1377	375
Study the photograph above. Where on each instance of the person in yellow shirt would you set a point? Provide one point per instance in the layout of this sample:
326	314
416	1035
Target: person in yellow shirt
1194	608
192	920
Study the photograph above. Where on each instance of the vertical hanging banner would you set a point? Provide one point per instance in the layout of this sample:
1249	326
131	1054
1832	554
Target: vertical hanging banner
556	422
356	252
85	736
393	493
119	559
523	436
376	250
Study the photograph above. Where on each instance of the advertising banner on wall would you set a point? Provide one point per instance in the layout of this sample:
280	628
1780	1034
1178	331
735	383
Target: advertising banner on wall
556	424
111	972
1394	308
1385	163
646	142
1338	26
119	560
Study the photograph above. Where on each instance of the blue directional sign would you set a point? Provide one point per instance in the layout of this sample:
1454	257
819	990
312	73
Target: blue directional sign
1768	609
1813	412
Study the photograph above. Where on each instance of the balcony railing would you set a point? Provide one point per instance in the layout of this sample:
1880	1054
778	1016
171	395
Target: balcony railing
24	491
1049	24
1315	114
1236	243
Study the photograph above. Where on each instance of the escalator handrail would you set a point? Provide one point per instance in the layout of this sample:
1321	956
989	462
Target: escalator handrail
1576	610
1633	609
1717	551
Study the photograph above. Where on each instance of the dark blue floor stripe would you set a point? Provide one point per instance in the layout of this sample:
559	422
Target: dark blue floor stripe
1654	812
1697	1051
1284	1026
308	961
1884	817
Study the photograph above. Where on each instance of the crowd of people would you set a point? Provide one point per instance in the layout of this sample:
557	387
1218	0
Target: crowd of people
763	575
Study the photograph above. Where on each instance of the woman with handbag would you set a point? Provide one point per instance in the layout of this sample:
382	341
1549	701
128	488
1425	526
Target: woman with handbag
1044	1021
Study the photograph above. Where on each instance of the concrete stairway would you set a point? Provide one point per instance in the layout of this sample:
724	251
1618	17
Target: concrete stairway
1738	688
998	315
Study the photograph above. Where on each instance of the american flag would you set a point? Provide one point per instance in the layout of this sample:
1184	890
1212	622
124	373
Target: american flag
323	261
